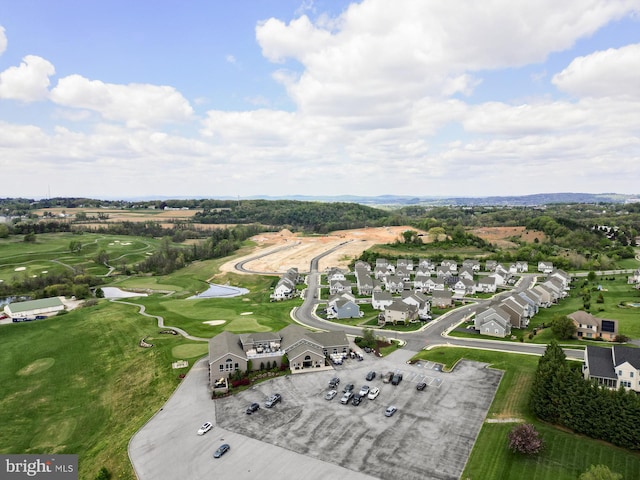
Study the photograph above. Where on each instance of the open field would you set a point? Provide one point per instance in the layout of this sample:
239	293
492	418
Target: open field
301	249
501	236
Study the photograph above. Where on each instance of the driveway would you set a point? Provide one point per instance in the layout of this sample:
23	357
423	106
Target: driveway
430	437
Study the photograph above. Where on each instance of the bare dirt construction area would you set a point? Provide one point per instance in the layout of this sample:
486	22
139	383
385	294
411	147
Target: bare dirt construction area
501	236
296	251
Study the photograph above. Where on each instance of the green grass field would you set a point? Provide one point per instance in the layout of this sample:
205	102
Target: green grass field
566	455
50	253
79	383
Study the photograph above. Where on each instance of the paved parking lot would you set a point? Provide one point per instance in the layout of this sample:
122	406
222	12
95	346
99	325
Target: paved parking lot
430	437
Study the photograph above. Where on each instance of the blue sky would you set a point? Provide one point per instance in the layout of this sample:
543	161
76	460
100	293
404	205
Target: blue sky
203	98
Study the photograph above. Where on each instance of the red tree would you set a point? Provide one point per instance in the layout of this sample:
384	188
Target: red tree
524	438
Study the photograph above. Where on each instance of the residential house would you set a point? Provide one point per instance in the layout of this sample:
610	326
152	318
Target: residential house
380	300
590	327
420	301
441	299
522	266
426	263
405	263
493	321
490	265
519	310
474	265
562	277
499	278
335	274
452	265
532	298
466	272
403	273
545	267
486	285
393	284
443	271
359	265
364	282
613	367
547	296
462	288
399	312
339	286
343	308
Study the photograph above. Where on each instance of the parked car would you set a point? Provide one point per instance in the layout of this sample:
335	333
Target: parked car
252	408
333	383
348	387
222	449
370	376
346	397
364	391
272	400
421	386
390	411
356	400
373	393
387	377
205	428
397	378
330	394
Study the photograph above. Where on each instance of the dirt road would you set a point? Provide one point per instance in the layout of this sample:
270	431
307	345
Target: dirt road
305	248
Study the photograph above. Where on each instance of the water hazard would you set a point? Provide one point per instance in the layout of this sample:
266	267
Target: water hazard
221	291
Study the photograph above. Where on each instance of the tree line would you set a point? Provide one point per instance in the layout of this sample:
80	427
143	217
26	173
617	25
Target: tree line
561	396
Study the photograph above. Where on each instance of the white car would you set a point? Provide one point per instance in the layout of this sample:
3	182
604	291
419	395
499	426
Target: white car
364	391
205	428
330	394
373	393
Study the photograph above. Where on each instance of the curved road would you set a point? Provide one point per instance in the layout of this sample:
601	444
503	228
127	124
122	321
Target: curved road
434	333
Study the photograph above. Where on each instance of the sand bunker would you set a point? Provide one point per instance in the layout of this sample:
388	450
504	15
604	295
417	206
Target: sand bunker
20	269
215	322
246	313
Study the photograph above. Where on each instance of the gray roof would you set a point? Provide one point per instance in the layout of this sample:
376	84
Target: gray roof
225	343
600	362
623	354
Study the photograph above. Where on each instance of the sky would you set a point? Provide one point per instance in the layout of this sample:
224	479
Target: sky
199	98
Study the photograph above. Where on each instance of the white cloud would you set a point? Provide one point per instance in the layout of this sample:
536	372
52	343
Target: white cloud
612	72
138	105
3	40
231	59
379	57
27	82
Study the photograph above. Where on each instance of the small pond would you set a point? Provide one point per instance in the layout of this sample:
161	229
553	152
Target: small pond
220	291
113	292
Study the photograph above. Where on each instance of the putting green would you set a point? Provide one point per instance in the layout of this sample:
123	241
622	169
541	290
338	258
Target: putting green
190	350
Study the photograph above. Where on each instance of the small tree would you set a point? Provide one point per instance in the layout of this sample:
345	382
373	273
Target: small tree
591	276
599	472
368	338
563	327
525	439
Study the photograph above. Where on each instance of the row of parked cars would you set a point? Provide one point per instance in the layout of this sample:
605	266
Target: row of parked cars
349	395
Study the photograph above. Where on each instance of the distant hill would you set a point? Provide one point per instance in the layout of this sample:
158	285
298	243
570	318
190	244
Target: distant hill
523	200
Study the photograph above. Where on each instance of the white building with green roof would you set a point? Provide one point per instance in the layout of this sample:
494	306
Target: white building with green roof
33	308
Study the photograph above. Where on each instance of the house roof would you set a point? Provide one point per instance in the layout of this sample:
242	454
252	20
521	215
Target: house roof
600	362
225	343
17	307
583	318
622	354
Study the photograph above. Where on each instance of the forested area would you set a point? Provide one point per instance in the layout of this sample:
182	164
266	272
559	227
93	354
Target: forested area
561	396
312	217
